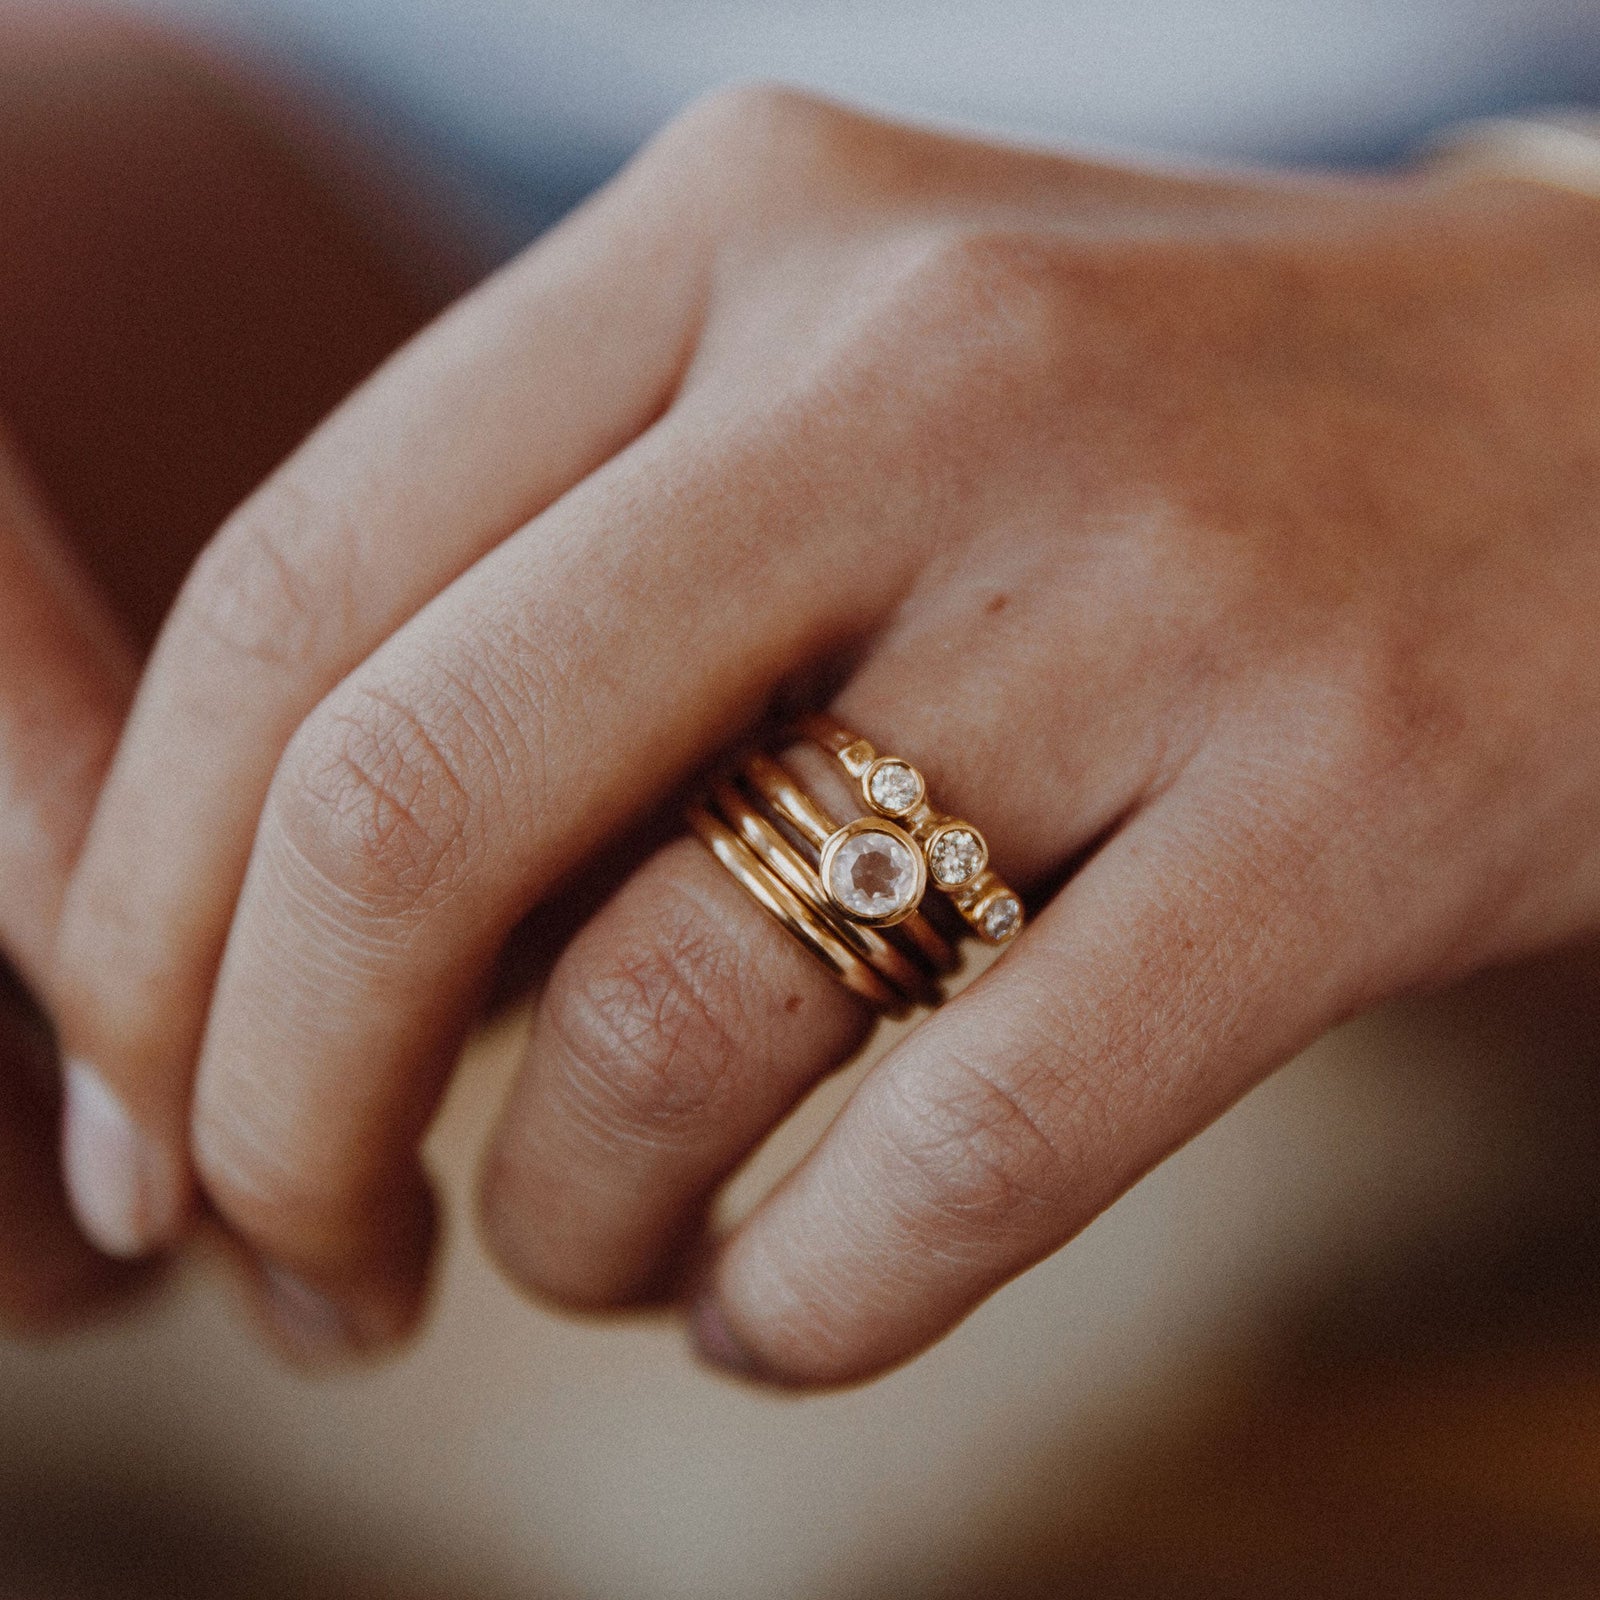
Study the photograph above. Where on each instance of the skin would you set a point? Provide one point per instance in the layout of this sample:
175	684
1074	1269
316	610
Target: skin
68	678
179	302
1224	547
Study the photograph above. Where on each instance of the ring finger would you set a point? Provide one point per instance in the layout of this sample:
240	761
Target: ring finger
685	1021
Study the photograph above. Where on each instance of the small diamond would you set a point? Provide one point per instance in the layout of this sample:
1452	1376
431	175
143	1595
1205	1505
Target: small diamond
956	856
873	874
894	787
1002	917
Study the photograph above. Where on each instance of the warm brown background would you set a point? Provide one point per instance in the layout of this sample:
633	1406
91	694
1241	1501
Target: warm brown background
1347	1344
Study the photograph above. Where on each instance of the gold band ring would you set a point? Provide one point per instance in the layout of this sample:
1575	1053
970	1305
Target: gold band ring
778	787
786	863
957	854
852	893
818	936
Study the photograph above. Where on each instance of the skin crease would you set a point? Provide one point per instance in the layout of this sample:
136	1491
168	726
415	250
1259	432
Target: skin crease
1240	529
179	302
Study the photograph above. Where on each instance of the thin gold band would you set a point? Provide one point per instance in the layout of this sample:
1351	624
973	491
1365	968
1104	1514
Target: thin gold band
852	893
817	935
990	906
785	862
776	785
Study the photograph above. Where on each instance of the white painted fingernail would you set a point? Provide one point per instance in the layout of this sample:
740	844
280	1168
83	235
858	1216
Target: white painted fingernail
122	1184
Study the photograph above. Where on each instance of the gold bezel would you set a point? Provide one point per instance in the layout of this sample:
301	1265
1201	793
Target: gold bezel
876	806
956	825
874	824
976	916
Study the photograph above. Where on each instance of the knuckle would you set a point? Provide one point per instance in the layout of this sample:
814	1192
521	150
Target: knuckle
979	1150
373	798
254	593
1008	282
760	119
977	323
651	1035
754	145
1374	726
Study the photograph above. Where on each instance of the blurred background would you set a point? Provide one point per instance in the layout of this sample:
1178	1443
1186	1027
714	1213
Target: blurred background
536	101
1346	1344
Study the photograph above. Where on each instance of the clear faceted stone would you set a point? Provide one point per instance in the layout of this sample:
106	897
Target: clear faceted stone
873	874
1002	917
894	787
955	856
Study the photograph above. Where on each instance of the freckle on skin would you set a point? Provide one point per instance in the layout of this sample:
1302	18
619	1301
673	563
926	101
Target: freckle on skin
997	604
792	1004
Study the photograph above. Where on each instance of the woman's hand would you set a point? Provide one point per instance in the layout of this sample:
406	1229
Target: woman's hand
65	681
1229	543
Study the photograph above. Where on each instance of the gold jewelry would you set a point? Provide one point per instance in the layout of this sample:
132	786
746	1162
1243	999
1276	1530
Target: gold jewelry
956	854
851	892
776	785
786	863
810	929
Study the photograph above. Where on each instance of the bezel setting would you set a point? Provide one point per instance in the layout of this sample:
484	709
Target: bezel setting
947	833
1004	909
881	768
919	866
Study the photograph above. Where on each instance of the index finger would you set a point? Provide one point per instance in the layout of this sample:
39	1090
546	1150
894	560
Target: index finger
478	425
65	678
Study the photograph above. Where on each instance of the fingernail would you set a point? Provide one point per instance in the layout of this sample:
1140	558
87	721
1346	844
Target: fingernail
715	1342
122	1184
317	1328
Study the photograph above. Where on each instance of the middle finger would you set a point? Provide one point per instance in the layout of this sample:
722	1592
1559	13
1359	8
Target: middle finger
449	783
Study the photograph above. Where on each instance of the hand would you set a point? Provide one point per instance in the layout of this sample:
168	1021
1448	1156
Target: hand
1228	542
182	293
65	680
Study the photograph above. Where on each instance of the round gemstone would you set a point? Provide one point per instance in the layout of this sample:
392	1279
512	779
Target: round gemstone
873	874
1002	917
956	855
894	787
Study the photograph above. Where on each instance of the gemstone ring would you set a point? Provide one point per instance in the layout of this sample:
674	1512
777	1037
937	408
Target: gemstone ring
856	892
865	867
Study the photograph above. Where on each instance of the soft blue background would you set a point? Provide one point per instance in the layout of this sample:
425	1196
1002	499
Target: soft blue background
541	99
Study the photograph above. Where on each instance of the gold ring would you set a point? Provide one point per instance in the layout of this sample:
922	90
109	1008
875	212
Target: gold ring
817	935
854	893
786	863
956	854
776	785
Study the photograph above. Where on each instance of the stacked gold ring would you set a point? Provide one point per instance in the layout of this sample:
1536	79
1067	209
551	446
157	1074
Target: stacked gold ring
853	893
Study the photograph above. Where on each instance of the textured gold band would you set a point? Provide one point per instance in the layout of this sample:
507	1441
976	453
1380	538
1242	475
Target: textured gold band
958	854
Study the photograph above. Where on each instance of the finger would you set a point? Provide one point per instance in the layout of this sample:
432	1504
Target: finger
49	1273
65	680
674	1033
459	774
666	1045
491	415
1193	955
685	1020
64	683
